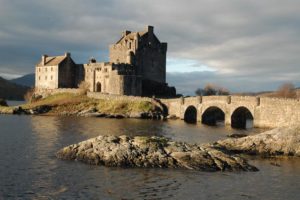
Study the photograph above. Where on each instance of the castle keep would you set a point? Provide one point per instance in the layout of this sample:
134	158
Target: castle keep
137	66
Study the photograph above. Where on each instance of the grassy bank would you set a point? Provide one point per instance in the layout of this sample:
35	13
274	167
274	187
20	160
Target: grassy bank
71	103
6	110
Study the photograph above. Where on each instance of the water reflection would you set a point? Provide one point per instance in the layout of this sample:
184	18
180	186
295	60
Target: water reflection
29	169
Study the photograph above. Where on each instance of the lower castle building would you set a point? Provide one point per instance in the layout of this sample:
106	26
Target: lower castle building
137	67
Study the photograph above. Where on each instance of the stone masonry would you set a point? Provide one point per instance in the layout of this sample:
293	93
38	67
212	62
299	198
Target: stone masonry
137	67
265	112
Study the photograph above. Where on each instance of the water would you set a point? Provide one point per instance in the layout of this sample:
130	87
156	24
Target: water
15	103
29	169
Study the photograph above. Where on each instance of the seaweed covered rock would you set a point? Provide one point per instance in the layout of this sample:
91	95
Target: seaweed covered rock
277	142
124	151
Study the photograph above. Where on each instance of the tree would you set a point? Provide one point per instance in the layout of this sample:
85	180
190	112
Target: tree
287	90
29	95
84	86
211	89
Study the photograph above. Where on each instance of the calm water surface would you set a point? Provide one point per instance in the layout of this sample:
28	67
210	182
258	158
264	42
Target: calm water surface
29	169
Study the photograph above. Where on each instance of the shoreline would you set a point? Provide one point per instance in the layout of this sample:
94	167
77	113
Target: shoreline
66	104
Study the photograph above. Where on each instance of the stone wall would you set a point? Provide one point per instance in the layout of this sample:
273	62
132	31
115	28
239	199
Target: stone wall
267	112
277	112
119	79
62	74
143	50
67	74
108	97
46	77
47	92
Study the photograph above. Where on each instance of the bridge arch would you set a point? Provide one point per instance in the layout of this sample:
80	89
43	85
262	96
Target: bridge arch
242	118
213	116
190	115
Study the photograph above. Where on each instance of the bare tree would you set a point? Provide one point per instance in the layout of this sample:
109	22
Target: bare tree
29	95
287	90
211	89
84	86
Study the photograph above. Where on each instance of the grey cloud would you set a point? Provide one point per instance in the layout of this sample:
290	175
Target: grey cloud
242	40
187	83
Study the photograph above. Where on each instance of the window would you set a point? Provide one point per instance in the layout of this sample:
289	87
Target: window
39	69
45	77
46	69
105	70
51	77
51	69
39	78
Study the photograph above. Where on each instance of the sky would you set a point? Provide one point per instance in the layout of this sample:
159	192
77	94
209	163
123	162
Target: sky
245	46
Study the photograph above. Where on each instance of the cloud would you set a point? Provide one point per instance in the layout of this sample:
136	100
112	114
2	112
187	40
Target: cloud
239	41
187	83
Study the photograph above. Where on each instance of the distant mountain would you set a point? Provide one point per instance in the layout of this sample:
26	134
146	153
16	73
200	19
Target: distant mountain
12	91
26	80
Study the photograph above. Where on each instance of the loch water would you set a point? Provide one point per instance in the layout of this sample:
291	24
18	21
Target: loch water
30	170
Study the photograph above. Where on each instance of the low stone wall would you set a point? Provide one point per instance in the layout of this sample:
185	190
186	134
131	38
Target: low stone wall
97	95
46	92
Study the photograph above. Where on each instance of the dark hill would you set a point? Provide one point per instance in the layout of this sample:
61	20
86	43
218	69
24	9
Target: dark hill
11	91
26	80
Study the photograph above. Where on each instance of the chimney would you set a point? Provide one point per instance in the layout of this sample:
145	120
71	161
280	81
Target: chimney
126	32
44	59
67	54
150	29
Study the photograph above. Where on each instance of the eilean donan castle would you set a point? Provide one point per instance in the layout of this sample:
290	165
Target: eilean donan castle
137	66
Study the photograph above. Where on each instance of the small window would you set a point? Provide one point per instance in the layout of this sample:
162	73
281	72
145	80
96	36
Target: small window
51	69
39	78
45	77
46	69
39	69
51	77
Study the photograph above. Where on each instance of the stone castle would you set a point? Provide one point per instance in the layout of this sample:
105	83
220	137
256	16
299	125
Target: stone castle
137	66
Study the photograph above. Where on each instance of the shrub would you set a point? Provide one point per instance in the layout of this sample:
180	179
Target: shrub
84	86
29	95
211	89
286	90
3	103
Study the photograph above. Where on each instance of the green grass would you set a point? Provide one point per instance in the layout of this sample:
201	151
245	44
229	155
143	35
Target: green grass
66	102
123	106
6	110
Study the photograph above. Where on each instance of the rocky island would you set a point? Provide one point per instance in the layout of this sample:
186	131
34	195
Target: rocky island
124	151
283	141
154	152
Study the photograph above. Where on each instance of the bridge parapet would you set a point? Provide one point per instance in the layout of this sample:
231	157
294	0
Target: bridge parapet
268	101
223	99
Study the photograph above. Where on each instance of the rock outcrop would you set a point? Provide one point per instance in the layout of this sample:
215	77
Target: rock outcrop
138	115
124	151
279	141
3	103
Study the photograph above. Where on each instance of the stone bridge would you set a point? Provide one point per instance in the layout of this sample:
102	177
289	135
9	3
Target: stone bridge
237	111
